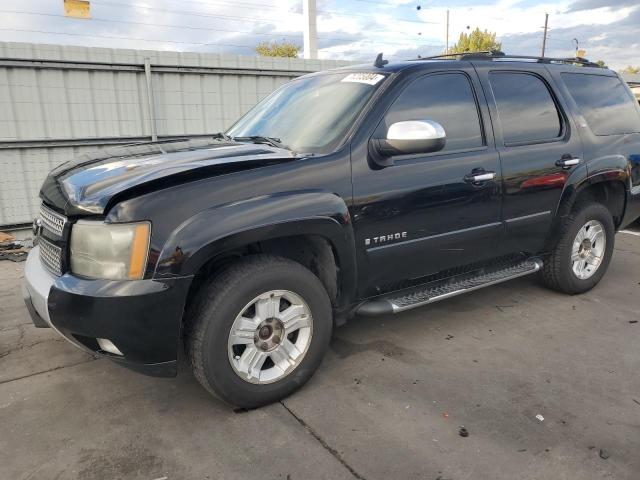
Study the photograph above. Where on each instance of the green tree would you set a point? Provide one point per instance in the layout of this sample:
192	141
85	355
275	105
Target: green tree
476	41
631	69
601	63
275	49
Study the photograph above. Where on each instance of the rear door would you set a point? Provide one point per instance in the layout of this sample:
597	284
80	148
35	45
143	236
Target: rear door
539	147
609	117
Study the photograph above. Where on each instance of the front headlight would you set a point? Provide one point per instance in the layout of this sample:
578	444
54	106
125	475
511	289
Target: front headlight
111	251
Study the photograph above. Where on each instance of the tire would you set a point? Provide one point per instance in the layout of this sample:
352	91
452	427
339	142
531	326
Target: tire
558	271
230	370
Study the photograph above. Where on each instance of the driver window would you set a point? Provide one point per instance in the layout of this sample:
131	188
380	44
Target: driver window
445	98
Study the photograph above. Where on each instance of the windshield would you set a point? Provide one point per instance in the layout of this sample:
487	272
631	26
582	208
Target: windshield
311	114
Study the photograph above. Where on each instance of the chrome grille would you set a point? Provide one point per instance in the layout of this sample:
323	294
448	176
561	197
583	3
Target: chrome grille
51	256
52	221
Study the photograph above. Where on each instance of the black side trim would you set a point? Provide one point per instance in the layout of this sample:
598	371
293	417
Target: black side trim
527	217
433	237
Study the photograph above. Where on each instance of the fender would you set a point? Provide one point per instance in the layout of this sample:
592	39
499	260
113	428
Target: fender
226	227
604	169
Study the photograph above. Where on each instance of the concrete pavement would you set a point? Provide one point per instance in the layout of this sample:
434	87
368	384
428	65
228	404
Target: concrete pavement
387	402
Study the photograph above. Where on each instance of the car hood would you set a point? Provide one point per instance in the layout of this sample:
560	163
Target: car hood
90	183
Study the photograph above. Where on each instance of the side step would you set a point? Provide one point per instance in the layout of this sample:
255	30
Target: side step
435	291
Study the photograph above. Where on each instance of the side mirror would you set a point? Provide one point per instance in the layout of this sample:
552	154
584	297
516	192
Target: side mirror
409	137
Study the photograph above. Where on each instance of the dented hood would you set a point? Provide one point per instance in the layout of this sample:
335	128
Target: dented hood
90	183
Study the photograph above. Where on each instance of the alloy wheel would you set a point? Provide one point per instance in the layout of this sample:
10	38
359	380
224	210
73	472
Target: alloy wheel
588	249
270	337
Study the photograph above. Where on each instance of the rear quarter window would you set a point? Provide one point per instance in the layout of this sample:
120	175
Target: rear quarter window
605	103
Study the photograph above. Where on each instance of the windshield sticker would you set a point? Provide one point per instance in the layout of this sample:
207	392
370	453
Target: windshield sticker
368	78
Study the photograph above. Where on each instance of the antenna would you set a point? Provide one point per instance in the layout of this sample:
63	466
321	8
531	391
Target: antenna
379	63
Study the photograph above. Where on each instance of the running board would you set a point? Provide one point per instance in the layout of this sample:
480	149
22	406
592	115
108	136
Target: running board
435	291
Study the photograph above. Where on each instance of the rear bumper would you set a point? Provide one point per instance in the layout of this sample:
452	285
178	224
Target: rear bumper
141	318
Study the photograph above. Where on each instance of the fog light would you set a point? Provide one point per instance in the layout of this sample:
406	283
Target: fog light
108	346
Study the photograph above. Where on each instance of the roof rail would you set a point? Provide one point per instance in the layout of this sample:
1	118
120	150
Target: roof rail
498	55
449	55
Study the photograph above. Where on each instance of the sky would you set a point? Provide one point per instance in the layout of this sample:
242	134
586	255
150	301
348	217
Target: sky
354	30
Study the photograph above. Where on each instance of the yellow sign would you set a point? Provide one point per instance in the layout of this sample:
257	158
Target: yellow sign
77	9
581	53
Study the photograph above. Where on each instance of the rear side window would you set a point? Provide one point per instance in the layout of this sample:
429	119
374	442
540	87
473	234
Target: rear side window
604	102
526	108
447	99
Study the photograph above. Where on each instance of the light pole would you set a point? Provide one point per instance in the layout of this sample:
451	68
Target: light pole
310	34
546	29
447	42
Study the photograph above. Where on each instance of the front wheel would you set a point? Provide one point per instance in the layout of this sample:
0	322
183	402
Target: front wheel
583	250
259	330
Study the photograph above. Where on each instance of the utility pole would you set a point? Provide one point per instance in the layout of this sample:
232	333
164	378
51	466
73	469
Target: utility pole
447	42
310	29
544	38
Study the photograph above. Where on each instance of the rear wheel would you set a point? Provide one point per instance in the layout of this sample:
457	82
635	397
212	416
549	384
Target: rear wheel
259	330
583	250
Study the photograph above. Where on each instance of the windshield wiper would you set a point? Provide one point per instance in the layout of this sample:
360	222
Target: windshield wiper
222	136
274	142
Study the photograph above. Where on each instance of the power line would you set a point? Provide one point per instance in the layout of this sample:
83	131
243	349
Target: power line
216	44
188	27
181	12
341	14
278	7
113	37
278	35
242	4
254	19
386	4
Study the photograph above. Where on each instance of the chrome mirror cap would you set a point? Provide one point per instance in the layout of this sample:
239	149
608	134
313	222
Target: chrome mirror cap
407	138
416	130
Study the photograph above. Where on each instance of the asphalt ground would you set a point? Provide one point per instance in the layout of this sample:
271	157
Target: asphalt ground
547	386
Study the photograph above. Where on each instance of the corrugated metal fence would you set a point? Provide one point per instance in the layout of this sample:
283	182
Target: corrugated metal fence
57	102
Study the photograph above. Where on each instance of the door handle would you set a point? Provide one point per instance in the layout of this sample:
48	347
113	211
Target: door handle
568	161
479	177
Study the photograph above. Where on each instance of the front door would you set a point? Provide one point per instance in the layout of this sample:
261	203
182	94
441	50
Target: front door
424	214
539	147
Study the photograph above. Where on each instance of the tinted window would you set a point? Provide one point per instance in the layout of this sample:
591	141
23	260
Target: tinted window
605	103
526	109
446	98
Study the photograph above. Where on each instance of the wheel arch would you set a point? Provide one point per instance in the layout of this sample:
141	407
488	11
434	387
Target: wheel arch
312	228
606	187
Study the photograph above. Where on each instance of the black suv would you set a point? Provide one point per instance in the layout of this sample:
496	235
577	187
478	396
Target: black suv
366	190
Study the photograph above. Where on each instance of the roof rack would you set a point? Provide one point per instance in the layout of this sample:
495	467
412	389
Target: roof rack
498	55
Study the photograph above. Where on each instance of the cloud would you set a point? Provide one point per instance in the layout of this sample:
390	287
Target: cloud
616	43
581	5
347	29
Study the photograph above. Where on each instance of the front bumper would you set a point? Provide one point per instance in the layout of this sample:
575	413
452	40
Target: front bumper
142	318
